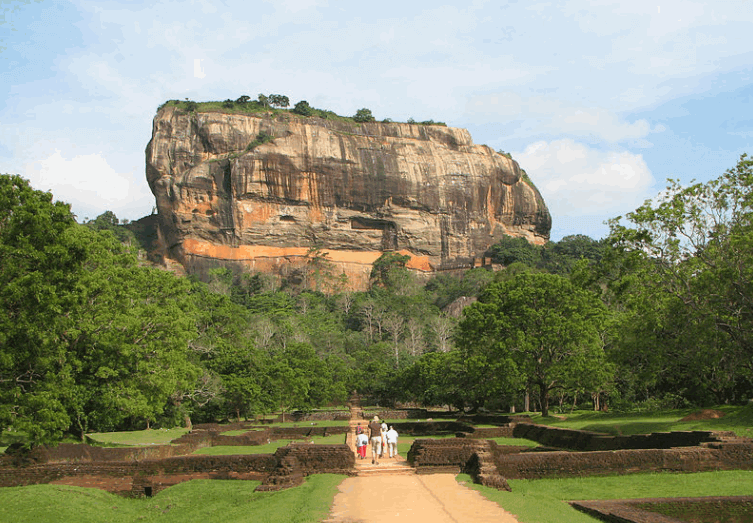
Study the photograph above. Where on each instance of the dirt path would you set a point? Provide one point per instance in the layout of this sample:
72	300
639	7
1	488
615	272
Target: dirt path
392	492
435	498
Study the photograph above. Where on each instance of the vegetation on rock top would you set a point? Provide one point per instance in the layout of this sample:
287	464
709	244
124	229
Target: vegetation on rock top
276	104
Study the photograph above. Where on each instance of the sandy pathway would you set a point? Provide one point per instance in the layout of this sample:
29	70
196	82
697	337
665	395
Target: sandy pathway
435	498
392	492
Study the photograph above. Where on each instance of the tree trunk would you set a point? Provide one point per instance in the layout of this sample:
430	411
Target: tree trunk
527	402
187	421
544	399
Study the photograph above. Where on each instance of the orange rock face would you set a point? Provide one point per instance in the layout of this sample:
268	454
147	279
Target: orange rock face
333	194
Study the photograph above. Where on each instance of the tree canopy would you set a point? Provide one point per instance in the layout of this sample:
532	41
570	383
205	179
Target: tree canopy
538	329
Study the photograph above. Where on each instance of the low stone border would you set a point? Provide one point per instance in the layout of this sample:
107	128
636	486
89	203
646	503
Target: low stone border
583	441
629	511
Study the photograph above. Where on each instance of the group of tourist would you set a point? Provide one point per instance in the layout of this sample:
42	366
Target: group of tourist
381	438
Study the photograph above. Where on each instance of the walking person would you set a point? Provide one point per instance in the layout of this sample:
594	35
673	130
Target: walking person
384	438
375	430
362	440
392	441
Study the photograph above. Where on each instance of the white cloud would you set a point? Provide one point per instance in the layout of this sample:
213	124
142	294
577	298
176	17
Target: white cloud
198	71
89	184
576	180
549	115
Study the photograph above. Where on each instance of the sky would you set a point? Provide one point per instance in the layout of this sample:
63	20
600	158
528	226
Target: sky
600	102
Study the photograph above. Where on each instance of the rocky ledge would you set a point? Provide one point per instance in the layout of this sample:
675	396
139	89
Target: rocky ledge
270	192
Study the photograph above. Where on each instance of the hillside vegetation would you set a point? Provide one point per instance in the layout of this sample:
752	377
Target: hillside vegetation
656	316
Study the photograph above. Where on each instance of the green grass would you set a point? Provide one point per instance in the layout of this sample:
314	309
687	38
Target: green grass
237	432
310	424
543	500
268	448
139	437
218	501
515	442
228	450
737	419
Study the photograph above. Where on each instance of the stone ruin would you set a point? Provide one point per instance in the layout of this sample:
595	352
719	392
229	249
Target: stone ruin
144	471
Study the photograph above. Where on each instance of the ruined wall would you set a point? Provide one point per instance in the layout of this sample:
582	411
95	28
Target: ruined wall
589	441
536	465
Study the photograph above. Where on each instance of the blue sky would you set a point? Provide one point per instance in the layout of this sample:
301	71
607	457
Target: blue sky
600	102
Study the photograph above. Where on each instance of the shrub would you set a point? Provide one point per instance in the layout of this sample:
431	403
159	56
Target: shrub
364	115
262	137
304	109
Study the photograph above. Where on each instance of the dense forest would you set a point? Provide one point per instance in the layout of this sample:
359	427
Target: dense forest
94	338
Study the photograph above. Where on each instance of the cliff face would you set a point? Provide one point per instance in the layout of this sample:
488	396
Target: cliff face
262	191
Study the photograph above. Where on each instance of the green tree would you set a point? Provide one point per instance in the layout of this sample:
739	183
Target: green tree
87	336
304	109
130	344
39	266
364	115
442	378
695	245
540	326
511	249
107	221
279	100
560	257
389	270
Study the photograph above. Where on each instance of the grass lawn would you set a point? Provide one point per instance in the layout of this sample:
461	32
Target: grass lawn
237	432
323	423
515	442
218	501
269	448
543	500
737	419
139	437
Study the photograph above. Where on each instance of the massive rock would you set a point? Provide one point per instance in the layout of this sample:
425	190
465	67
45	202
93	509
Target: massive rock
266	191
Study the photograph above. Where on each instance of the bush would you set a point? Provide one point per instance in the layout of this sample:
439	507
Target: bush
364	115
262	137
303	108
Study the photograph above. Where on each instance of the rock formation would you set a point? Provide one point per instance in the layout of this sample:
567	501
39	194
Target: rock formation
279	193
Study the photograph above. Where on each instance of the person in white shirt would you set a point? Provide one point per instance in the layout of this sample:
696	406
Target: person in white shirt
362	441
392	441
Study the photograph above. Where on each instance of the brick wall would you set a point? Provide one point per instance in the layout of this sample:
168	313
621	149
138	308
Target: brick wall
491	432
589	441
535	465
446	455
